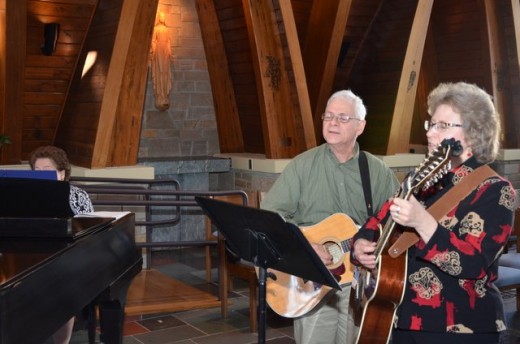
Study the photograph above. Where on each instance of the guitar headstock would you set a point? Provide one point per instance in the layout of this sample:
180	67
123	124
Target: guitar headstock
436	164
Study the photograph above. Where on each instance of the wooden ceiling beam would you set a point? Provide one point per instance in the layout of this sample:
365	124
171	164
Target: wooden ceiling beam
322	44
299	73
515	5
12	77
399	138
226	110
117	137
495	58
512	119
278	114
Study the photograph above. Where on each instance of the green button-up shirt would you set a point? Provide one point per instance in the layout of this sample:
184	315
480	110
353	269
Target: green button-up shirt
314	185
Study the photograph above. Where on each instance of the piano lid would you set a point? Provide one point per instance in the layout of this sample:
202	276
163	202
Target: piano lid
40	209
68	229
21	197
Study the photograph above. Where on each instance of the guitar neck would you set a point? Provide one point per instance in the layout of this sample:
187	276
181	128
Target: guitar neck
346	245
383	239
388	229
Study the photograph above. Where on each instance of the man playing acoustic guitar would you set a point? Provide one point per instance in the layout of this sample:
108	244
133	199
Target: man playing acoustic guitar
448	295
323	181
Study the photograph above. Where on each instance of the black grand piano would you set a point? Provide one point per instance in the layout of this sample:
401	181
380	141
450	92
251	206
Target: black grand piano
54	266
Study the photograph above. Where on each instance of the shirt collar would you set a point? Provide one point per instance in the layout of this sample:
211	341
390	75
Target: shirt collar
355	157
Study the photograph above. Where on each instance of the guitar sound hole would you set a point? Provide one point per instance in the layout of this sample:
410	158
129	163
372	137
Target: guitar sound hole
334	250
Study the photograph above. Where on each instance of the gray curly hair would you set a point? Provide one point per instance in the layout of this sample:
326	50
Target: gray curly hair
481	123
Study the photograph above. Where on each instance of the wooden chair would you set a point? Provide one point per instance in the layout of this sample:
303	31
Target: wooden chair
509	263
230	267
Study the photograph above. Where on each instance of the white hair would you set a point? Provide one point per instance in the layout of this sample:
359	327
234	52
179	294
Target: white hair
359	107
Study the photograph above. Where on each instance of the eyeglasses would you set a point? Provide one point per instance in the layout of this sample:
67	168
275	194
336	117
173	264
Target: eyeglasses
342	118
439	126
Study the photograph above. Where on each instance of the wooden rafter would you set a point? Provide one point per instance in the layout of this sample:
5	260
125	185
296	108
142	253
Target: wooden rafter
321	48
495	56
117	138
226	111
515	5
299	73
403	111
274	91
13	60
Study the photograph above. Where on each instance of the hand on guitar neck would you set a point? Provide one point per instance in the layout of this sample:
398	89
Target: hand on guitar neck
364	253
412	214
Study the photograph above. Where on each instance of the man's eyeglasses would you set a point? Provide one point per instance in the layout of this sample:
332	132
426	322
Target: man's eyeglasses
342	118
439	126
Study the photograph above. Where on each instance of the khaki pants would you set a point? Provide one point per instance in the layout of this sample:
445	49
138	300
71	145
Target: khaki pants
329	323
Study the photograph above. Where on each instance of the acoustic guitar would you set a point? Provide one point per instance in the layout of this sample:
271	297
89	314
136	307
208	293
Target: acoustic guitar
291	296
376	294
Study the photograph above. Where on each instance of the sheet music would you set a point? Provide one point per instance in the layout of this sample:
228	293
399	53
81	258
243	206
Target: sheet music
115	214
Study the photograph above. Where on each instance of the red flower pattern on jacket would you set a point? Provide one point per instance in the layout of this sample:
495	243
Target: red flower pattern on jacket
449	279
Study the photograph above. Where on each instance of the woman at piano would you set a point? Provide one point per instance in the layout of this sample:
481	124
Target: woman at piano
51	158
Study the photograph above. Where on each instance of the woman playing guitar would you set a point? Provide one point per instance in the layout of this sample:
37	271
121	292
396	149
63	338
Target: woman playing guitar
448	294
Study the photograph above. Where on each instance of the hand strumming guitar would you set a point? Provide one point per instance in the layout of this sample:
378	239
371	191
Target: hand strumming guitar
324	255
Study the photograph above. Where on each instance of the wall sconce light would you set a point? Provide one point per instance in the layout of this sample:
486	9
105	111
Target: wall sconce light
89	62
51	32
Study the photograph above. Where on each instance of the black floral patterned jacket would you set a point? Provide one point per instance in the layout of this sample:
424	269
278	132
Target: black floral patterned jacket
449	285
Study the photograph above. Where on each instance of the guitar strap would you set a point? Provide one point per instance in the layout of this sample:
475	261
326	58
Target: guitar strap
442	206
365	181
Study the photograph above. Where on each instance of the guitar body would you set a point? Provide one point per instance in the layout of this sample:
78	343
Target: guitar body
376	294
380	296
291	296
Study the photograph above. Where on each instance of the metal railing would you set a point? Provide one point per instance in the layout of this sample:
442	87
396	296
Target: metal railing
122	192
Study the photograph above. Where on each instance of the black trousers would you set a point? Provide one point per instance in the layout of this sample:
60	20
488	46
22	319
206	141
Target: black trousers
416	337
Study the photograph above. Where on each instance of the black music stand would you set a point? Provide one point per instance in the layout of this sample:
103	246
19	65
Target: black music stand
265	239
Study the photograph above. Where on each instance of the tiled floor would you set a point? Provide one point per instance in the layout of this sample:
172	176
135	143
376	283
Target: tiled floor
206	326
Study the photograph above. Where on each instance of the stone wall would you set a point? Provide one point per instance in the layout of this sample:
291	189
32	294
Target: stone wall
193	175
188	127
252	180
510	170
